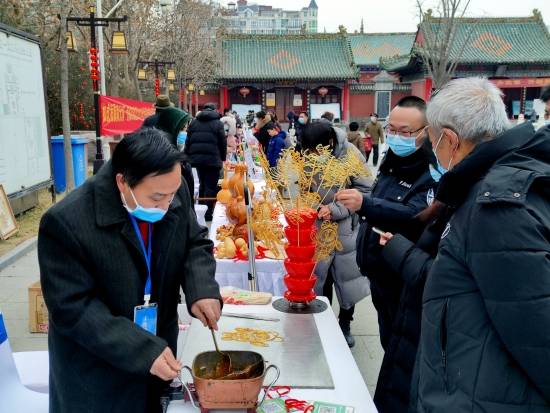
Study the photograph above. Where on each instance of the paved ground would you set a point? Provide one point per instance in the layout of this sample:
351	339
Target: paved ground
15	279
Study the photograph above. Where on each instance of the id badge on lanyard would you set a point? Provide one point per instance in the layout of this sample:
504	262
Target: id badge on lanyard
145	315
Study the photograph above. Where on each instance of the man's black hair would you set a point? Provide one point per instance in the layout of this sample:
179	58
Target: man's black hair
412	102
353	126
304	112
270	125
210	106
545	94
261	114
226	111
316	134
328	116
145	152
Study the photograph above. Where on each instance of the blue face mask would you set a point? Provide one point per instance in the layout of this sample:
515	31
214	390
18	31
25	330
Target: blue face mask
182	137
151	215
547	122
435	173
440	168
301	121
401	146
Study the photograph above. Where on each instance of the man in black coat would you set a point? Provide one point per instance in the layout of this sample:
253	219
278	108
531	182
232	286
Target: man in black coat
399	193
485	337
206	150
127	238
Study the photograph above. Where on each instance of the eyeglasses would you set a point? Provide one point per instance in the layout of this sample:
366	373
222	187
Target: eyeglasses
406	134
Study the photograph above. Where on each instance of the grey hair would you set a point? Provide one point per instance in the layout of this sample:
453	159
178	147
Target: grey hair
472	107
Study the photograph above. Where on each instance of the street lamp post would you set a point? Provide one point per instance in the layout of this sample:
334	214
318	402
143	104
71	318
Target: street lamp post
157	64
93	22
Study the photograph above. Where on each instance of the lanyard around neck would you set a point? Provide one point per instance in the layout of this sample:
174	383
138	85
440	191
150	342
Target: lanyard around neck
147	252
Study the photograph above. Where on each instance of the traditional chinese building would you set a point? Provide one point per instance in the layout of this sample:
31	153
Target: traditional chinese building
513	52
377	91
310	72
357	74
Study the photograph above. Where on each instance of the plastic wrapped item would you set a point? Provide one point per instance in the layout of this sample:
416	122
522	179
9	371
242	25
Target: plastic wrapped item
232	295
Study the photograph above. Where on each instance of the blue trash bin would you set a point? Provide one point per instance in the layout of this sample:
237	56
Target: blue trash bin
80	162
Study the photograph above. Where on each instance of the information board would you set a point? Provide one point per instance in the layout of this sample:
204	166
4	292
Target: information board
24	152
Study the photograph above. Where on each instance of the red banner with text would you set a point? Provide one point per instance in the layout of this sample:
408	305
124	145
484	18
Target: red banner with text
119	115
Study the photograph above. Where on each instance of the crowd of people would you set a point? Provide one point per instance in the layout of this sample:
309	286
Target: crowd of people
451	239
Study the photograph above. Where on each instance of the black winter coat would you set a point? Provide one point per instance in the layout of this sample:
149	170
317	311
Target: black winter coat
151	121
93	275
485	338
206	144
412	262
399	193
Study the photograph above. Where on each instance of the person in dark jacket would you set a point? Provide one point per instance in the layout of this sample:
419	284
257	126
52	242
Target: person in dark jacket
486	304
260	131
301	124
162	102
355	138
206	149
93	247
276	144
173	121
399	193
412	262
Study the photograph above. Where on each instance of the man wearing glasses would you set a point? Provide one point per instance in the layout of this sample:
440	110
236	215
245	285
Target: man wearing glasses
401	190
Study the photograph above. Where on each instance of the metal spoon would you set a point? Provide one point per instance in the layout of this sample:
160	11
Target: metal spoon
223	366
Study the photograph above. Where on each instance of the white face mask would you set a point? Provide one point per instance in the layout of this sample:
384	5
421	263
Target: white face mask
373	119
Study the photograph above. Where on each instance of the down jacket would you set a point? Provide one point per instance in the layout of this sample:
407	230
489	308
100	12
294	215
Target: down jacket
350	285
485	338
206	144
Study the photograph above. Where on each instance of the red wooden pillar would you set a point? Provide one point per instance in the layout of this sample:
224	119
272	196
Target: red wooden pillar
428	88
345	102
221	99
224	98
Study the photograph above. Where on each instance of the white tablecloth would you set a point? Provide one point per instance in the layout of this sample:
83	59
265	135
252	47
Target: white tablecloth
233	273
349	387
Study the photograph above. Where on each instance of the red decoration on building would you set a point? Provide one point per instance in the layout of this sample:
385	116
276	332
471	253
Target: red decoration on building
244	91
323	91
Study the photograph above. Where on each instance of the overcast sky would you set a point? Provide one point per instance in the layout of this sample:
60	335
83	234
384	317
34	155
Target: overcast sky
400	15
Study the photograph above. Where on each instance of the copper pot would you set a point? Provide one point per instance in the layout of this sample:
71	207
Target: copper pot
239	392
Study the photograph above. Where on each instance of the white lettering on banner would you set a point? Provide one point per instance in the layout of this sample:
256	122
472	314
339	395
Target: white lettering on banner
405	184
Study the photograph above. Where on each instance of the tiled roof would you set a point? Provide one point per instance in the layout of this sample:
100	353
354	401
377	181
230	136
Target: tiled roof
287	57
368	48
490	40
501	40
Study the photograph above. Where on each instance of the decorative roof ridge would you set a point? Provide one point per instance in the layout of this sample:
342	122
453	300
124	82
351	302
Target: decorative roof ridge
351	58
538	17
394	58
381	34
307	36
535	18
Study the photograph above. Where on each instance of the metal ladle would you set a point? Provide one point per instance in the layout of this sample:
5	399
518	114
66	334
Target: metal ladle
223	365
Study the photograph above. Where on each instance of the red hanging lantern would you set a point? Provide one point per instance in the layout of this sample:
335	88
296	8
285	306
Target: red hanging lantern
94	64
244	91
157	87
323	91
